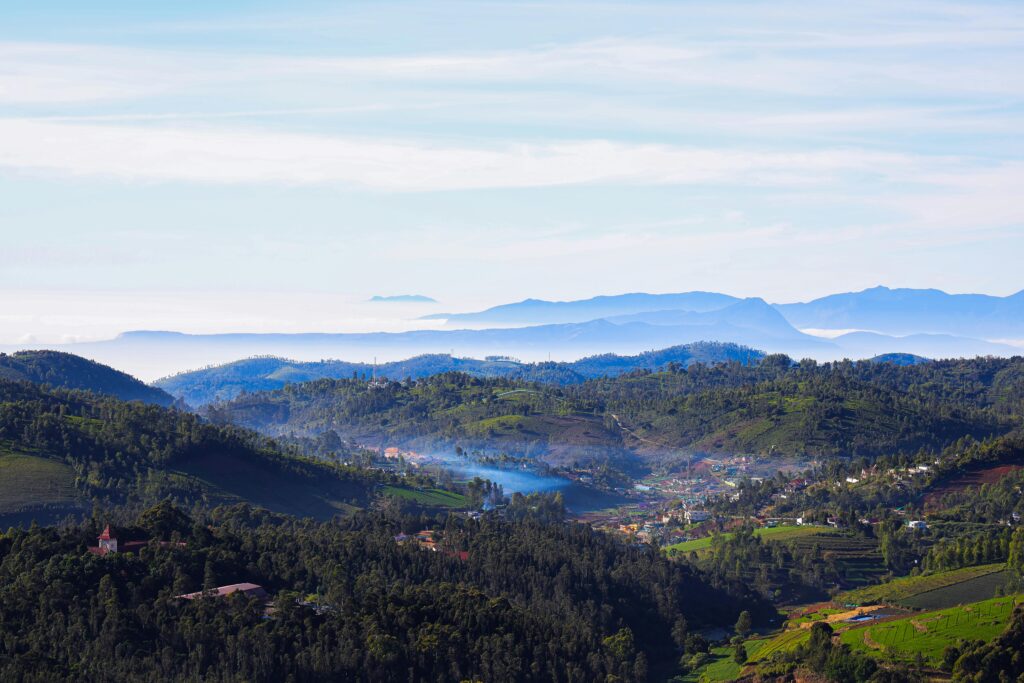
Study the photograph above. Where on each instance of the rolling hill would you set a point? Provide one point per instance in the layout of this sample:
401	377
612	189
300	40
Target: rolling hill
773	407
225	382
63	452
69	371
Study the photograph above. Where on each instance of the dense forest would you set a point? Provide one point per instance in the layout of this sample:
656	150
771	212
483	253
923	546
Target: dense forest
525	600
774	406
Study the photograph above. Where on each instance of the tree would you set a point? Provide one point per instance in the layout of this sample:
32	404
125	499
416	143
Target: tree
739	655
680	630
620	645
744	624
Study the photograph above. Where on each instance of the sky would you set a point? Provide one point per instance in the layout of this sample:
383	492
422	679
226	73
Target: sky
258	166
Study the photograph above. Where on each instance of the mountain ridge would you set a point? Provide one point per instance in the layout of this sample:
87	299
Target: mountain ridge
68	371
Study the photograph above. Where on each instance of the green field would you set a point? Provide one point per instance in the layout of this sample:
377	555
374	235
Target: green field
722	667
28	481
427	497
783	642
903	591
778	533
929	633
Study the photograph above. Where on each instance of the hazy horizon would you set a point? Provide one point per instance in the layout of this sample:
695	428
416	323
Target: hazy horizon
237	166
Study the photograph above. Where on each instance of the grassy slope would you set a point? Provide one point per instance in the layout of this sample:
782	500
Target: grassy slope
428	497
35	486
779	533
929	633
902	589
260	481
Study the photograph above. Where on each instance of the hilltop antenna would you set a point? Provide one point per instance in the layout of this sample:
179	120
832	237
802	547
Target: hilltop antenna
375	369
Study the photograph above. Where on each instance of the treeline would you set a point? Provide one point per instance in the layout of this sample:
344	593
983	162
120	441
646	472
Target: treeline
526	601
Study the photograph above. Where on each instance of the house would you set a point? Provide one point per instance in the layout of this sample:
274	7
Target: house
917	525
694	516
427	539
106	543
109	542
249	590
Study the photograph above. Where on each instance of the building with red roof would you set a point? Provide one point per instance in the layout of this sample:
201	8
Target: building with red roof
249	590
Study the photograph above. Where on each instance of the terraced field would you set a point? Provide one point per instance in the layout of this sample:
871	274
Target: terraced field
858	558
932	591
929	633
783	642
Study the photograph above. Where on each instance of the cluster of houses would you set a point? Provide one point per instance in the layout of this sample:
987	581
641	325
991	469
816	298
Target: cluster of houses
663	525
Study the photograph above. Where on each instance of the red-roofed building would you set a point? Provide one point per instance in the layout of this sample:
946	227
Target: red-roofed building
249	590
109	542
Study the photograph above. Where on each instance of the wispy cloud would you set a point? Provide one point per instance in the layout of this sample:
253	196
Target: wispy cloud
233	155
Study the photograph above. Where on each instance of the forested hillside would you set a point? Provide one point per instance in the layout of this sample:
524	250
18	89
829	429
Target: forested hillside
776	406
63	451
68	371
225	382
524	601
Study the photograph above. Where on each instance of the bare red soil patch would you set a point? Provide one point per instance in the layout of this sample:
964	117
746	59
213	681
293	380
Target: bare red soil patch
968	480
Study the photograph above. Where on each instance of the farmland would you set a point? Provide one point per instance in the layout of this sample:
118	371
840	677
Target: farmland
783	642
857	558
972	590
779	533
928	633
722	666
905	590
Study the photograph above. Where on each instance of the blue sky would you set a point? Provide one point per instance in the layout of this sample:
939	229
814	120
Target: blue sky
262	166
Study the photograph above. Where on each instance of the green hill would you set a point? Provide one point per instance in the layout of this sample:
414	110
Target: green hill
68	371
837	409
63	451
225	382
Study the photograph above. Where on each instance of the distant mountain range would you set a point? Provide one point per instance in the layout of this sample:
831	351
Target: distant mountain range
68	371
880	309
225	382
920	322
538	312
913	311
